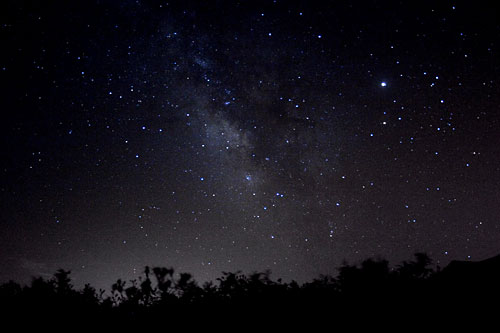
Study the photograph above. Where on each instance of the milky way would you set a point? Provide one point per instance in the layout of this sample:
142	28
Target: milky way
253	135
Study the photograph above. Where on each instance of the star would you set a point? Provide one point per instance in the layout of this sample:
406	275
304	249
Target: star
244	127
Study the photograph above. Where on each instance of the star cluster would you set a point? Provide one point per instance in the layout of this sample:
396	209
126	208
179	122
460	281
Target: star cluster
221	136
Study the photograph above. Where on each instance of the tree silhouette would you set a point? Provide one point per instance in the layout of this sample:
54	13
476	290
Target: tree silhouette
62	282
147	292
371	287
165	282
118	291
417	269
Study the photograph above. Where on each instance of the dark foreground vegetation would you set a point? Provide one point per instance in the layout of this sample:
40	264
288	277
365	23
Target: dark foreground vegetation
161	294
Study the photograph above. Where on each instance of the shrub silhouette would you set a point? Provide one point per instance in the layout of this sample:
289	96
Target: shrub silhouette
372	285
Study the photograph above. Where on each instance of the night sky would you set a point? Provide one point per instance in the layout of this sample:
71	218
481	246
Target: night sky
246	135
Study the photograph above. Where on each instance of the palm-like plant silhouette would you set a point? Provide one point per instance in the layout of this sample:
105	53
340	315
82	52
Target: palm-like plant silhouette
372	283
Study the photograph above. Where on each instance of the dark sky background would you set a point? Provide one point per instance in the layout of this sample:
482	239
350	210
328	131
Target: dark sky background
246	135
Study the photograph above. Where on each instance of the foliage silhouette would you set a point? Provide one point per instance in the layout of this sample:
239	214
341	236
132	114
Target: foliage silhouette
372	286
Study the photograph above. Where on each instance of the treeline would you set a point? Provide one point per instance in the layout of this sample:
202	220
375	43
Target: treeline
373	284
